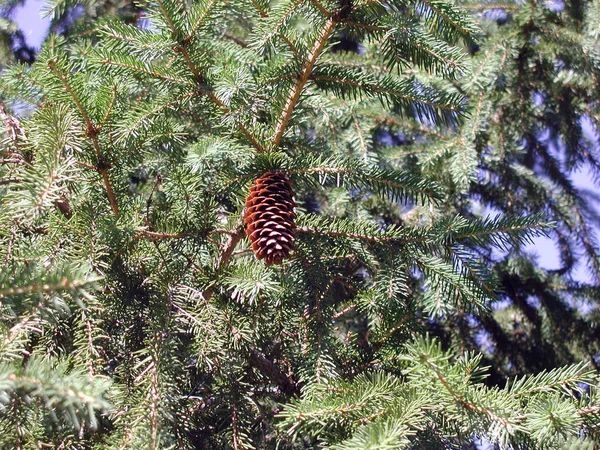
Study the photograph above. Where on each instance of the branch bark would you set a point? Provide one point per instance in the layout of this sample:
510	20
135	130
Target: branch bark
294	96
269	369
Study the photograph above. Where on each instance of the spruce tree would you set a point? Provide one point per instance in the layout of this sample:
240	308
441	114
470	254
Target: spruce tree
265	224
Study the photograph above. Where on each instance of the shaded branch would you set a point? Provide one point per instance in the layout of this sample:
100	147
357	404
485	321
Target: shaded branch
269	369
64	284
226	253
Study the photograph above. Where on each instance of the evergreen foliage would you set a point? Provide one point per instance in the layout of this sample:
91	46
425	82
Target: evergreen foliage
428	142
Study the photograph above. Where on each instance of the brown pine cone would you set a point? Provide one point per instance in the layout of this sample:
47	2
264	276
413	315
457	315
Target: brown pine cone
269	217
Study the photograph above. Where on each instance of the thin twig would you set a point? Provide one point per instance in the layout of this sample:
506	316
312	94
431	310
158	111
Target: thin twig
265	15
383	90
467	404
377	345
17	161
110	107
242	128
362	237
321	8
162	236
11	241
92	132
242	252
160	76
343	312
84	164
226	254
154	395
195	27
26	324
230	245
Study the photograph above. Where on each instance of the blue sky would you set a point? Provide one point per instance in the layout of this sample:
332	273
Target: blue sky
35	28
31	22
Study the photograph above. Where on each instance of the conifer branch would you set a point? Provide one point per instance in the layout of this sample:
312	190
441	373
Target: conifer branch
274	373
167	17
234	238
321	8
198	22
153	394
260	10
481	281
225	254
489	7
265	15
38	383
241	126
589	410
282	19
10	154
28	324
463	401
110	108
456	26
385	120
146	71
361	137
63	79
182	49
242	43
343	312
91	132
366	26
382	90
505	230
162	107
5	181
398	325
361	237
303	77
395	184
109	190
35	288
19	95
158	236
186	56
18	161
11	240
237	434
161	236
84	164
91	348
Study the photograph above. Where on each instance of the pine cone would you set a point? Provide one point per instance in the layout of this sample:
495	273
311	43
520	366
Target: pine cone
270	217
